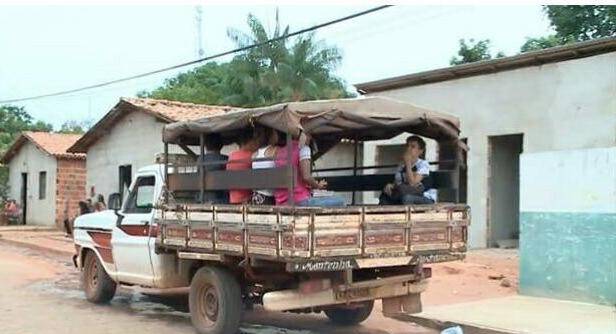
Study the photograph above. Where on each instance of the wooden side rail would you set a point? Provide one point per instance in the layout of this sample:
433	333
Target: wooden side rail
233	179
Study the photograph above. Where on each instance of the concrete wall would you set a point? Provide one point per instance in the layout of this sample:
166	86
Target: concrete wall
568	225
134	140
31	160
556	106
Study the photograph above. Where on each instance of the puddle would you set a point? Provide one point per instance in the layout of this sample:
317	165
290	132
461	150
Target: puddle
170	309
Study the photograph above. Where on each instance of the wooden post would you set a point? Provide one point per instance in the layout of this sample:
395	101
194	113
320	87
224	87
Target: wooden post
166	162
290	170
355	153
200	162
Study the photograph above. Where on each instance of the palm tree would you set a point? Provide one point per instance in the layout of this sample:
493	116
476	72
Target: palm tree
278	73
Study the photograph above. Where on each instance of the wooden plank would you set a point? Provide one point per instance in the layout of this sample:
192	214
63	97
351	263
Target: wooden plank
270	178
337	219
200	216
268	218
385	217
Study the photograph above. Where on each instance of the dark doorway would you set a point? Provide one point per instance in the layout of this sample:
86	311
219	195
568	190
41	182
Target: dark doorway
504	190
24	197
125	173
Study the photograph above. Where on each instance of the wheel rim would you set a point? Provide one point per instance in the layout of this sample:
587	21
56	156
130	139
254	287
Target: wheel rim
92	274
208	304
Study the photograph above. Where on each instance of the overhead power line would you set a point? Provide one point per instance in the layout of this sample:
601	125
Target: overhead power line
200	60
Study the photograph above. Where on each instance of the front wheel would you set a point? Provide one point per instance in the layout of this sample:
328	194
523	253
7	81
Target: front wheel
350	316
98	286
215	301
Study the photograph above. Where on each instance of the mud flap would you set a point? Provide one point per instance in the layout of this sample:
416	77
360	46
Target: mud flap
408	304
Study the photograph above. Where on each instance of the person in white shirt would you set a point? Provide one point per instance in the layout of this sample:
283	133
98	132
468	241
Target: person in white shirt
263	158
409	186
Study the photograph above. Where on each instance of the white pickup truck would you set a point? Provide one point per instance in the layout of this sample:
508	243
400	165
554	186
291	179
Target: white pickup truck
167	236
165	249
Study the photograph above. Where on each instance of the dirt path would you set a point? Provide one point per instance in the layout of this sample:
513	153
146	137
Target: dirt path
39	293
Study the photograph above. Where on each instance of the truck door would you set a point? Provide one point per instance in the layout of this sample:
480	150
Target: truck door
131	238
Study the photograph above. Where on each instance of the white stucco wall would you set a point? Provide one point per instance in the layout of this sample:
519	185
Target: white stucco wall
592	190
31	160
134	140
565	105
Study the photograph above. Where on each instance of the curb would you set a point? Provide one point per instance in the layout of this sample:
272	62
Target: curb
9	228
37	247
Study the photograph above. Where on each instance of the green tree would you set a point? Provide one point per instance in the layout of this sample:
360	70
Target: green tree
582	23
540	43
574	24
279	73
285	70
14	120
204	84
471	52
75	127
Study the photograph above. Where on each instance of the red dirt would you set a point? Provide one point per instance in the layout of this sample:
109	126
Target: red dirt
468	280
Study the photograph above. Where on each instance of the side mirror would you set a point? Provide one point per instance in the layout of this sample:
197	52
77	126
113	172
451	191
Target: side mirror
114	202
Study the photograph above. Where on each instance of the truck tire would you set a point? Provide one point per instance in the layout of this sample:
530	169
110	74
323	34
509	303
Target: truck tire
348	317
98	286
215	301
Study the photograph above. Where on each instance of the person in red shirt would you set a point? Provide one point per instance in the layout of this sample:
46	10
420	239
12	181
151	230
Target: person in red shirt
242	159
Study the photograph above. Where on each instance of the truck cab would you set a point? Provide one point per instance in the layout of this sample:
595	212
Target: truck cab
124	237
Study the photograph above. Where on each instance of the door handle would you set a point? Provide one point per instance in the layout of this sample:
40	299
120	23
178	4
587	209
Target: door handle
145	222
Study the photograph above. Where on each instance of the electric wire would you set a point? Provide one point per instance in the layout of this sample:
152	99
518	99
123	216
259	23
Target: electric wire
200	60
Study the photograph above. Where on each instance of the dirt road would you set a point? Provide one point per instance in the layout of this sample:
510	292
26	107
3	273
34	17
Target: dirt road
39	294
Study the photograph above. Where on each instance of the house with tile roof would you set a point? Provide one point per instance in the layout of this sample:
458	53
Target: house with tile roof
129	137
541	127
47	181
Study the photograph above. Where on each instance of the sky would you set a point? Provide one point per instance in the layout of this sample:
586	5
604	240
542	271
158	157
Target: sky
44	49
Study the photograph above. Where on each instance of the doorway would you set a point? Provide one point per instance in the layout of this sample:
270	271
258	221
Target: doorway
504	190
24	197
125	173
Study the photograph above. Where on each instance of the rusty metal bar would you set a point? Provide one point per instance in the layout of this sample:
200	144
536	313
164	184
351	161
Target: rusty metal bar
292	171
201	168
166	182
355	153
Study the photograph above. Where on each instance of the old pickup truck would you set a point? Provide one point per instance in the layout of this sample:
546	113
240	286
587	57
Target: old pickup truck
287	258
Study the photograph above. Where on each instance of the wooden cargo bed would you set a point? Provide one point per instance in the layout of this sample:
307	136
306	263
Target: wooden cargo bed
324	239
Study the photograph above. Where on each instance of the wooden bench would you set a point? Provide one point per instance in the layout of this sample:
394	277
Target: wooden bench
445	181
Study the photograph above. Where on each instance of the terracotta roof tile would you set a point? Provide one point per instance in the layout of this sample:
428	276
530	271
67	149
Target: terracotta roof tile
54	144
178	111
164	110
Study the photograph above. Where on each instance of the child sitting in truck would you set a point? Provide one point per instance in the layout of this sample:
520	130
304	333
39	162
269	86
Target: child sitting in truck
263	159
214	161
300	158
241	159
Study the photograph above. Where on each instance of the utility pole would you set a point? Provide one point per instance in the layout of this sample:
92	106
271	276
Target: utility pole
199	18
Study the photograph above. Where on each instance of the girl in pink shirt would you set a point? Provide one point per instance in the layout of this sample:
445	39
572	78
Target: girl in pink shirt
300	159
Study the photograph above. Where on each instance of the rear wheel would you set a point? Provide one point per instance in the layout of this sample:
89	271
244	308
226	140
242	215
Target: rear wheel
98	286
215	301
350	316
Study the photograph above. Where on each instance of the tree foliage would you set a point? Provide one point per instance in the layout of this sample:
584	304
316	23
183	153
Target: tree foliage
541	43
582	23
296	69
472	51
574	24
75	127
14	120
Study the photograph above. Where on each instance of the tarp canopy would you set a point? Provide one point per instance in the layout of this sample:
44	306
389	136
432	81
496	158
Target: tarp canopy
363	119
